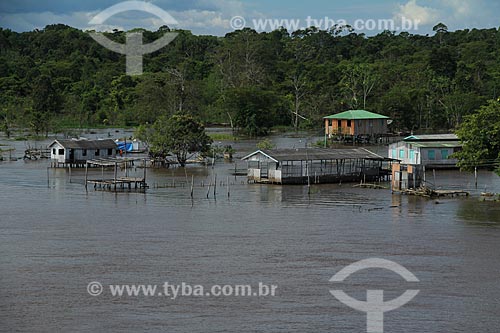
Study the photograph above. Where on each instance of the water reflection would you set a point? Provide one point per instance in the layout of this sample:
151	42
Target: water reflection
477	212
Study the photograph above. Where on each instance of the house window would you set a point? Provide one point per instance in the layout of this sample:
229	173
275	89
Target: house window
401	153
84	152
393	153
97	152
339	123
110	151
54	151
412	155
61	151
349	123
445	154
432	155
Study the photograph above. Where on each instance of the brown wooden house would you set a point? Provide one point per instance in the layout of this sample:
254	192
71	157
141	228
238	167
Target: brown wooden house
356	124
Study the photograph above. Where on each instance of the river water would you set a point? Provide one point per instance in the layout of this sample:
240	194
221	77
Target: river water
55	239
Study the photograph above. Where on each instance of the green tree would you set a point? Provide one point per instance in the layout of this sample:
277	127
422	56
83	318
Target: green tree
256	110
443	61
480	135
441	29
265	144
45	104
180	135
358	82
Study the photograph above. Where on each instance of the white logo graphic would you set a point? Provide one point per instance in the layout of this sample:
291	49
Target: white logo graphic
94	288
133	47
375	307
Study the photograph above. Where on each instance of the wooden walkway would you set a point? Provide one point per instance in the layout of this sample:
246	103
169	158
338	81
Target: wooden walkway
121	183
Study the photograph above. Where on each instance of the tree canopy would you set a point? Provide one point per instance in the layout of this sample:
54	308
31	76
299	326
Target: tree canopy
59	76
480	135
179	134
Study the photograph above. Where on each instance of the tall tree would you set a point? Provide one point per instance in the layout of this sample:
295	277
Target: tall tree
180	135
45	104
480	135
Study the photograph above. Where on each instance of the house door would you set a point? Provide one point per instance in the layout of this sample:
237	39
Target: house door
264	170
71	155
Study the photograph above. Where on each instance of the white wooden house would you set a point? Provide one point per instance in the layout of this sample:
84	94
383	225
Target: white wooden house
432	151
77	152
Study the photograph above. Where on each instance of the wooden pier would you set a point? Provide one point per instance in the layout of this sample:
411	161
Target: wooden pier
122	183
116	183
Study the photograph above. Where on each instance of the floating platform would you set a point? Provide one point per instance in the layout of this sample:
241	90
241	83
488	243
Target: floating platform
430	193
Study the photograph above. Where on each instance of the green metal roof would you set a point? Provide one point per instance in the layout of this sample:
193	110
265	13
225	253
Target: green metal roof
356	114
433	137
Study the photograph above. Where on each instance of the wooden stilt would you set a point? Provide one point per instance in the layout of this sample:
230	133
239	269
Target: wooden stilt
86	176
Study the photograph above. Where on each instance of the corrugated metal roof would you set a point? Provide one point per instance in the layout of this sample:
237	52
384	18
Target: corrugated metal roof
356	115
86	144
437	144
433	137
303	154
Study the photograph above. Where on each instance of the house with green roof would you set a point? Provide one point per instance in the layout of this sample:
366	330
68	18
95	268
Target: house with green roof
432	151
356	123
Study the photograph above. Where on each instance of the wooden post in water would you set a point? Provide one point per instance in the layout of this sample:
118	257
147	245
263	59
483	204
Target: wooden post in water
86	175
434	176
69	169
215	186
475	176
192	186
144	173
48	178
228	188
116	171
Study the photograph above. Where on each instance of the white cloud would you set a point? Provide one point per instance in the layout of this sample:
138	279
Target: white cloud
201	19
457	14
31	20
215	20
421	14
461	8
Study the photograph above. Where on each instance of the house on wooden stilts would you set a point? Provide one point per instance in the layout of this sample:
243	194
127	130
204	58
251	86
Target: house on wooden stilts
75	153
356	125
315	166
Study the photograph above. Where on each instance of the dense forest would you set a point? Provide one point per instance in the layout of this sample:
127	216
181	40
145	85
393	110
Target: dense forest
59	77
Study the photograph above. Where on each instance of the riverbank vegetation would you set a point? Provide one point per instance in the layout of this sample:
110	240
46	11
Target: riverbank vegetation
480	134
58	77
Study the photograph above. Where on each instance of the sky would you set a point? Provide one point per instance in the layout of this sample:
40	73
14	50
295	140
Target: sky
217	17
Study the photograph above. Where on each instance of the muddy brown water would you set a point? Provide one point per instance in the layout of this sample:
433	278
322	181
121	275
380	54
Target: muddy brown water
55	238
